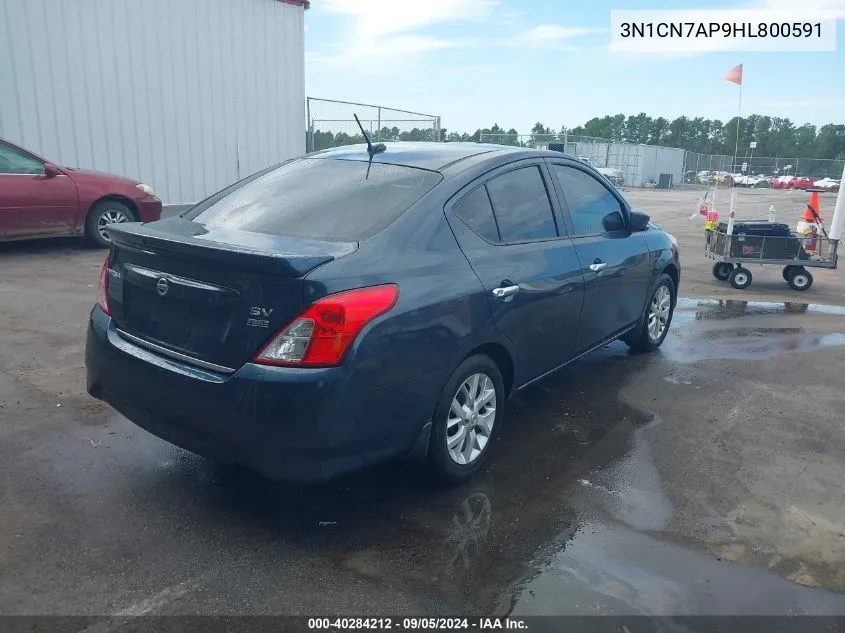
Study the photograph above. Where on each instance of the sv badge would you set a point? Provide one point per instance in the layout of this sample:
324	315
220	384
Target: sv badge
258	311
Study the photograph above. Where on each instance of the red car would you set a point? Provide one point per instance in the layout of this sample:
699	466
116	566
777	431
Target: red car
40	199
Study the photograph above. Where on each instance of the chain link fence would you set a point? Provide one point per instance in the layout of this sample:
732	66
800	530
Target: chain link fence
332	124
667	167
704	170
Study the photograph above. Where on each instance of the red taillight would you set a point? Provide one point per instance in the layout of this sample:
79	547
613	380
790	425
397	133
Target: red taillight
322	334
103	288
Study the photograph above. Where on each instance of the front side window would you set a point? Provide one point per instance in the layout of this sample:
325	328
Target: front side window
13	161
593	209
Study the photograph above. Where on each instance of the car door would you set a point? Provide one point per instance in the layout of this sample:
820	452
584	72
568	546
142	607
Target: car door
507	228
615	262
33	203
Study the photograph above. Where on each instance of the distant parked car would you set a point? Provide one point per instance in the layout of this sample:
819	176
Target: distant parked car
753	182
352	307
615	176
40	199
802	182
830	184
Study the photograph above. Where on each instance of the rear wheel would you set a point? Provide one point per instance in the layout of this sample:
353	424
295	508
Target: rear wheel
658	317
469	411
103	214
722	270
800	279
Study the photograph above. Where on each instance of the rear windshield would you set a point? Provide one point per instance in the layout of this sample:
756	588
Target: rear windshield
318	198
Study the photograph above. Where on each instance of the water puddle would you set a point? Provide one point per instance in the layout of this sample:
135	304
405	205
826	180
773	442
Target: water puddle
615	560
690	343
611	569
745	344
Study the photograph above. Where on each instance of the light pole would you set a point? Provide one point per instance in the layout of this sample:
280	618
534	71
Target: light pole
753	146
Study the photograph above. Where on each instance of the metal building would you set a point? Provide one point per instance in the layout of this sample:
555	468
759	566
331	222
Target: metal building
639	164
186	95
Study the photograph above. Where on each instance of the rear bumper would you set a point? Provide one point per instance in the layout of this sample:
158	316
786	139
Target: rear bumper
287	424
149	208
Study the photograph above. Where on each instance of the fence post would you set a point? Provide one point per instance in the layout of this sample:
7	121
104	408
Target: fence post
309	141
378	132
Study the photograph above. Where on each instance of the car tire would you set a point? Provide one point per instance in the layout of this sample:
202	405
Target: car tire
787	271
722	270
647	337
800	279
740	278
101	215
465	427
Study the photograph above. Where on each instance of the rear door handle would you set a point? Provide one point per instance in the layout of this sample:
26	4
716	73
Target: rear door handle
505	291
597	266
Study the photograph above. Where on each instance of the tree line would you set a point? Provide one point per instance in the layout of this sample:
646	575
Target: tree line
774	136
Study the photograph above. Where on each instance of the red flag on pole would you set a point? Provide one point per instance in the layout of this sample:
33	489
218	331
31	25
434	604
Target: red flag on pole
734	75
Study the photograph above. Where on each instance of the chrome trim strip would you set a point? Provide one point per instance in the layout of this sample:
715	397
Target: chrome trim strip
174	355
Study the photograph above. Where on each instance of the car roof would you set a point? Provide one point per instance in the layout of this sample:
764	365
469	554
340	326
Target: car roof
425	155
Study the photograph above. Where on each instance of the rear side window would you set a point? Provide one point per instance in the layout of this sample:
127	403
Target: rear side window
522	207
477	213
325	199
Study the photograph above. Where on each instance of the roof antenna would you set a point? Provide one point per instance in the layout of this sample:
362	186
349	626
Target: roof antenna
372	150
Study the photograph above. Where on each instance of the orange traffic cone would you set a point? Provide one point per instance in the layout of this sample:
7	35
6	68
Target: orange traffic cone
812	213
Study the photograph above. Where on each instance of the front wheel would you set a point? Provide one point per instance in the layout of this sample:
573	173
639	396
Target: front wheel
740	278
470	409
101	216
658	317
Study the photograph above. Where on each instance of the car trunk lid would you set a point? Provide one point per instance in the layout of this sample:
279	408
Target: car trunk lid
208	296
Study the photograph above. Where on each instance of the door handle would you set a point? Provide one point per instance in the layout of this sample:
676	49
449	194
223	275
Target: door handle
506	291
598	266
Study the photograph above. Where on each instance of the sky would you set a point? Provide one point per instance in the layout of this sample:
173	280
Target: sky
516	62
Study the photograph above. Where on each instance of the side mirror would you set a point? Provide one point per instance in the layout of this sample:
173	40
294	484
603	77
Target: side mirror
50	170
613	222
639	220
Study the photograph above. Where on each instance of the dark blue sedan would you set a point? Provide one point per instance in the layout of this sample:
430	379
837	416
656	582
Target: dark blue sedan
352	307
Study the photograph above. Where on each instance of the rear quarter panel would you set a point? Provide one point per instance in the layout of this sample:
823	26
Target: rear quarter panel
441	314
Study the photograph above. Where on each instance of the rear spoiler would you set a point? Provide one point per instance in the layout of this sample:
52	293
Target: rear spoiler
285	255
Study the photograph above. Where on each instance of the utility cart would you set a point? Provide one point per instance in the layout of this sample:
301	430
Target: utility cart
759	242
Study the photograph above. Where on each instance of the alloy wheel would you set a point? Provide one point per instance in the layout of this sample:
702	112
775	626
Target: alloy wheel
110	216
471	418
658	314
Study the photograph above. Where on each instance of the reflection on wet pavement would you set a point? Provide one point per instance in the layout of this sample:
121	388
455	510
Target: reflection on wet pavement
705	309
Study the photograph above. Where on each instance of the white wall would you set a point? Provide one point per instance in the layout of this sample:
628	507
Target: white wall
186	95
